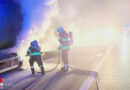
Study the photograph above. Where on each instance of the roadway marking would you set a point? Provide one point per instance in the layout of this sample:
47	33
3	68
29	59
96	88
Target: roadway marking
90	78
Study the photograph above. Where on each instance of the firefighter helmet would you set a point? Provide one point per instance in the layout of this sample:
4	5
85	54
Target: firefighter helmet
60	29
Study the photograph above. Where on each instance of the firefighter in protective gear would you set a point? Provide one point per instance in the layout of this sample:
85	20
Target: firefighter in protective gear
35	55
65	40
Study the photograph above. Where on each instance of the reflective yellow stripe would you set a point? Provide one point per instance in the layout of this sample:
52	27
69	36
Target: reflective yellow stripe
36	53
64	39
41	66
29	50
32	66
66	47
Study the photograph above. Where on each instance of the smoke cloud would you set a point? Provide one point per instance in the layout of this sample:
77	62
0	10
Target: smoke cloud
85	18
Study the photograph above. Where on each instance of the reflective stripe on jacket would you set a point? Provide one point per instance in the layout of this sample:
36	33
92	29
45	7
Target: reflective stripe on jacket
32	51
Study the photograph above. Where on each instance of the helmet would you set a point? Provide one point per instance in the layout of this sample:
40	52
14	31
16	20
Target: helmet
34	44
60	29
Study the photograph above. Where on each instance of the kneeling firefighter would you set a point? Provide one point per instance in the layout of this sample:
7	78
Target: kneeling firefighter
65	40
35	55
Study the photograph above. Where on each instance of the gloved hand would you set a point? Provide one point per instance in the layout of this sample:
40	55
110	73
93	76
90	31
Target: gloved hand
26	55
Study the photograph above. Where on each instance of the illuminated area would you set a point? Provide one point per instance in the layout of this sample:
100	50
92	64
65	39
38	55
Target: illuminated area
124	44
91	24
124	47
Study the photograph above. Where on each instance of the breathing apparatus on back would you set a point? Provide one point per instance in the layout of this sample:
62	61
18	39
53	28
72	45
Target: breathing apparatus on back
71	37
62	33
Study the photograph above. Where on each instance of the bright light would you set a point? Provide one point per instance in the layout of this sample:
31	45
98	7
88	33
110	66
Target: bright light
99	37
124	47
94	34
108	34
125	32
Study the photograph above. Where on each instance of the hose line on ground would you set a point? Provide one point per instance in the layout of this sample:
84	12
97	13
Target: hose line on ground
56	64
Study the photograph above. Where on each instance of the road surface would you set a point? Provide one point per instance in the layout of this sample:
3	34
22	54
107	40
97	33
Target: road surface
115	72
92	68
82	61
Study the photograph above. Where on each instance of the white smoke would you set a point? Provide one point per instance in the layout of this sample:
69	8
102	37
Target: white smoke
82	17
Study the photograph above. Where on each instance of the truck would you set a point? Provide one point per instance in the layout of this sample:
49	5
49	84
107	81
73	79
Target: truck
8	62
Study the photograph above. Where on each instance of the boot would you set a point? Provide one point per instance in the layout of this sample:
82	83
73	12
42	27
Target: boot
64	70
42	70
33	71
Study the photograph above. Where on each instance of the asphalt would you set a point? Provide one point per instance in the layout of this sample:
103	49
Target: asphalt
115	72
82	62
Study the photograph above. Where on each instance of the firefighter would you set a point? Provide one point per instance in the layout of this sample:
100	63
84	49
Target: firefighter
65	40
35	55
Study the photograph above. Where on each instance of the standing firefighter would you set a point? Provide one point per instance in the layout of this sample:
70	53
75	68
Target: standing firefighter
65	40
35	55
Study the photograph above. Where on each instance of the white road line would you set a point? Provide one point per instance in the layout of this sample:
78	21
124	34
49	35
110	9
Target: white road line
90	78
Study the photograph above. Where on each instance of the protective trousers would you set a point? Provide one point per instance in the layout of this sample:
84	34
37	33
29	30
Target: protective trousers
65	56
36	58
